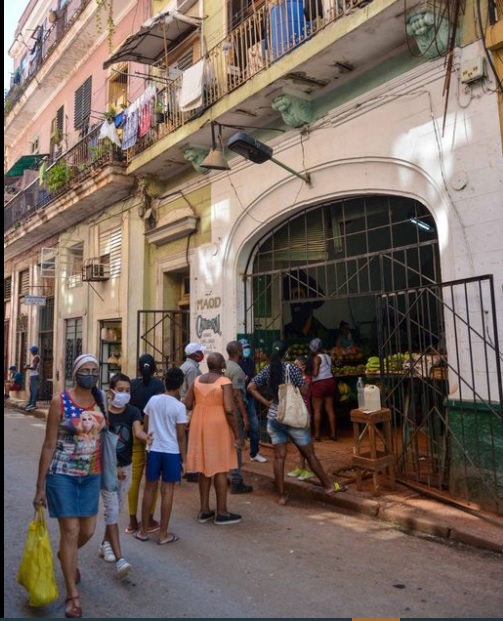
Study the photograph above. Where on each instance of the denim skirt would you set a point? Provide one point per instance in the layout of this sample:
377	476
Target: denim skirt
71	496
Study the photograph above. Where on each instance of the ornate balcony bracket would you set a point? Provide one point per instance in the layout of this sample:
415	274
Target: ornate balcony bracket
195	155
430	29
294	110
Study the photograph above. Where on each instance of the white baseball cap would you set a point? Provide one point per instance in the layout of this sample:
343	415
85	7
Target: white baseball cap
193	348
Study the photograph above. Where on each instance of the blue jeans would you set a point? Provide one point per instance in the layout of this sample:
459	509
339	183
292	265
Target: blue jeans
235	476
254	425
33	390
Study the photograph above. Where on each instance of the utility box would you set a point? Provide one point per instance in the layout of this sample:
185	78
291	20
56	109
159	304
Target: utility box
473	69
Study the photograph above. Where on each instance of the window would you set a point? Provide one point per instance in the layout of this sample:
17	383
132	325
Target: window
118	87
82	106
110	250
57	128
7	288
75	263
35	145
24	282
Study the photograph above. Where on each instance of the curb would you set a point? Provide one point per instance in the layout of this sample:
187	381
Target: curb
406	518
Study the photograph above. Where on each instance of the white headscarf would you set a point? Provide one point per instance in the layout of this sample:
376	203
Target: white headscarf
82	360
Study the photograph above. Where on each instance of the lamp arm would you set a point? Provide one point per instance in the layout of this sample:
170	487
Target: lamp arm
306	177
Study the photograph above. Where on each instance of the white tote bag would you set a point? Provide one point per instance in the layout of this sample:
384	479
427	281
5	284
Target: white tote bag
292	410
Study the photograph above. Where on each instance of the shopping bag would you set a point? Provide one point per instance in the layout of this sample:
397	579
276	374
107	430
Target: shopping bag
36	571
109	480
292	409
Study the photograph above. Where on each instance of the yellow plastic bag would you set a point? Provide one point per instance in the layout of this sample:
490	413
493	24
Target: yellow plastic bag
36	572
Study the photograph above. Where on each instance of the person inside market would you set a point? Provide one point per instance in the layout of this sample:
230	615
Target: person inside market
298	287
323	388
345	340
14	383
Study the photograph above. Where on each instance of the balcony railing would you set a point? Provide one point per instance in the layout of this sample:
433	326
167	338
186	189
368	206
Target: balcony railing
88	155
261	39
44	45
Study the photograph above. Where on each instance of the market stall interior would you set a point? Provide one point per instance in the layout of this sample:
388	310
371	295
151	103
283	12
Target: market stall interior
321	274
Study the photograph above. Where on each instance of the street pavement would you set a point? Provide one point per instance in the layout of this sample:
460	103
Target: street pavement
404	508
306	560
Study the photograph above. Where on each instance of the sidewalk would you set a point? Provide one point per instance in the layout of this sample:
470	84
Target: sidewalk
407	509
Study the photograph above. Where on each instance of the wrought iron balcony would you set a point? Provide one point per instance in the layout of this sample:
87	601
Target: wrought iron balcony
260	38
44	45
81	162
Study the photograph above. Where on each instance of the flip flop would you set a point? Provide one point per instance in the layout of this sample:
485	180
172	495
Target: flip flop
139	537
154	528
130	531
172	539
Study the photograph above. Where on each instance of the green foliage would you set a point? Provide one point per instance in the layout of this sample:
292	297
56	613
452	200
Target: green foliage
107	7
58	175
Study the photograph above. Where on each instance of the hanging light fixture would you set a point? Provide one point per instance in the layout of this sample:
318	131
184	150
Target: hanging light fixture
215	159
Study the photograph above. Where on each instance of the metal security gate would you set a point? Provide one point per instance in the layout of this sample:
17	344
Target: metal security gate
441	377
163	334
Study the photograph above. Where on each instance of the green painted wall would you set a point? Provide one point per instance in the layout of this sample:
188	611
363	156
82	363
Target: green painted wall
476	448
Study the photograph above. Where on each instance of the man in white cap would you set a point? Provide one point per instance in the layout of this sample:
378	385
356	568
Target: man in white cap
194	353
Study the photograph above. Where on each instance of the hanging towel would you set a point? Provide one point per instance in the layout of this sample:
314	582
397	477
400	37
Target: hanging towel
146	116
109	131
191	95
130	135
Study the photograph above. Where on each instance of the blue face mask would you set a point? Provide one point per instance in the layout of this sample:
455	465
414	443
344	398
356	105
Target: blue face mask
86	381
246	352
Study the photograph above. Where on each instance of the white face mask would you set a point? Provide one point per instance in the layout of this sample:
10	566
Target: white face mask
120	399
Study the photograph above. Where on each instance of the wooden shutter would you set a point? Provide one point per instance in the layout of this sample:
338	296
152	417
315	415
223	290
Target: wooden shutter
82	107
7	288
24	282
110	249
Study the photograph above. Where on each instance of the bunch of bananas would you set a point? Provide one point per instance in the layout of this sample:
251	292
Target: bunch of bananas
344	391
373	364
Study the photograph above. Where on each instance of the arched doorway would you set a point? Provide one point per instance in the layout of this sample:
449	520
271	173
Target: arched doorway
332	264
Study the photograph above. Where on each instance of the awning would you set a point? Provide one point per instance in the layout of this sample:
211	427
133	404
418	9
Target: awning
154	37
25	162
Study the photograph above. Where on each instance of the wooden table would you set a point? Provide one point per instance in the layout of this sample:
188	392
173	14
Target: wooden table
373	450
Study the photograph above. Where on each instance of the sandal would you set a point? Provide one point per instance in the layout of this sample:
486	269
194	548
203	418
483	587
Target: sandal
73	611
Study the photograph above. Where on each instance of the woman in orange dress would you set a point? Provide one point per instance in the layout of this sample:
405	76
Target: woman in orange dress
213	439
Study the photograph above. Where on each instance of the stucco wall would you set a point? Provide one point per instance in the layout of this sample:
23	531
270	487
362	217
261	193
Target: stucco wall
387	141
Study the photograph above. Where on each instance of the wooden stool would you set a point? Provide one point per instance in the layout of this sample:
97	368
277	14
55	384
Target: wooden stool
368	455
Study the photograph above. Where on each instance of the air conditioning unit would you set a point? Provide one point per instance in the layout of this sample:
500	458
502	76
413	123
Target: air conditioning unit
95	272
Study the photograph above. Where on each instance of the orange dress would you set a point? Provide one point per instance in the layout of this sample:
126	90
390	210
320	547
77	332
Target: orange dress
211	442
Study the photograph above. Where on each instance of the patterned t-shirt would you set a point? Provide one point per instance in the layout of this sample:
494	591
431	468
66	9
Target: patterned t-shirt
78	445
263	380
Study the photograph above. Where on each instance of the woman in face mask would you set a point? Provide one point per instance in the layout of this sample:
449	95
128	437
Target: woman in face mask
69	473
125	421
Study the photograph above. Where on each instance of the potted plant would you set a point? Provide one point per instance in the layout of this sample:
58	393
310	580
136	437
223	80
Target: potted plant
159	114
58	175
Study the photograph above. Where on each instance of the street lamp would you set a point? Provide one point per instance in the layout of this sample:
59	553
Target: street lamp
258	152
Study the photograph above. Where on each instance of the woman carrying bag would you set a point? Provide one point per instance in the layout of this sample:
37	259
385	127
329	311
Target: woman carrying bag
271	377
69	473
